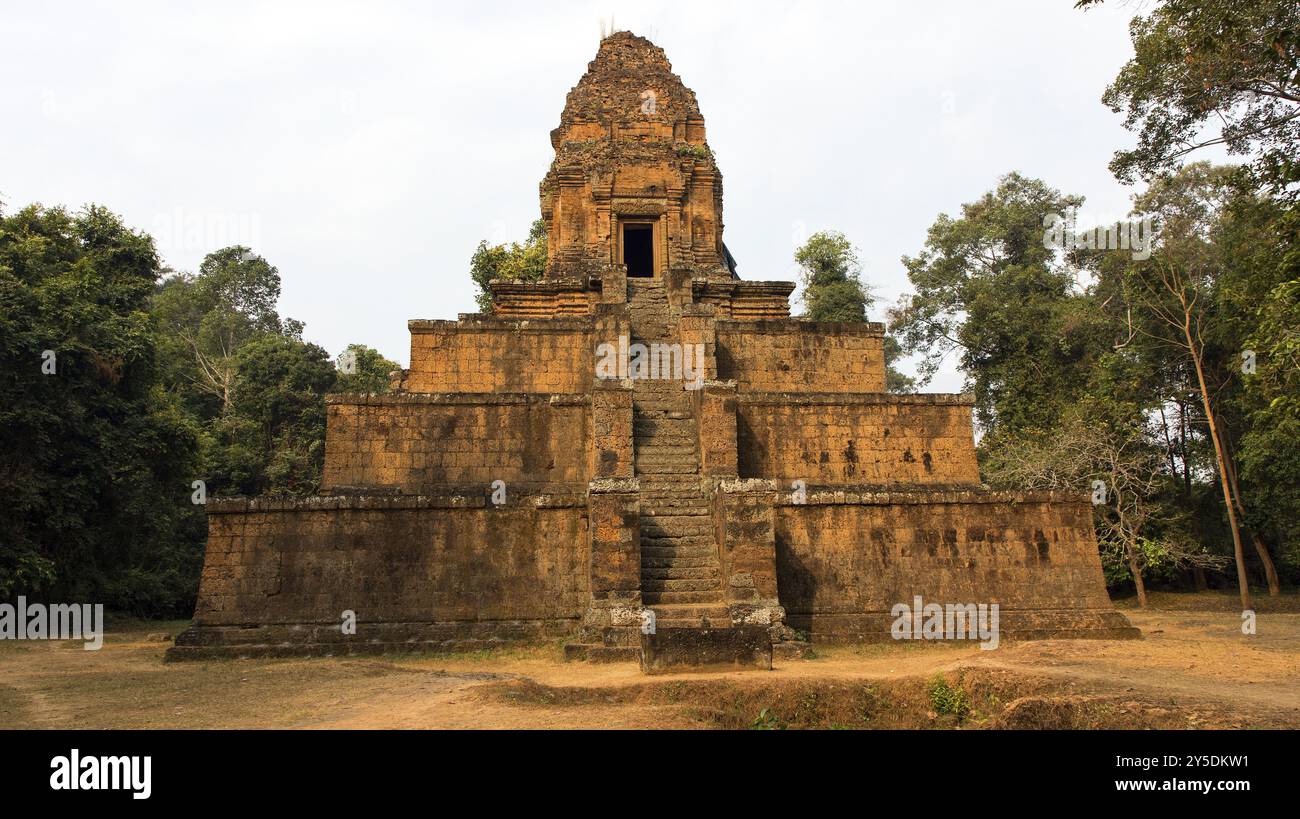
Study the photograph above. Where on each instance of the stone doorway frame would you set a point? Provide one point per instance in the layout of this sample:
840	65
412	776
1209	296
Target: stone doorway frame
658	247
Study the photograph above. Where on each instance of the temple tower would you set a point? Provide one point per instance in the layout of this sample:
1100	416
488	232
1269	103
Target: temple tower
761	491
633	183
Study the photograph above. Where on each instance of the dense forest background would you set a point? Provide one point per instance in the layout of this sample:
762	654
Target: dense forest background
1165	384
130	393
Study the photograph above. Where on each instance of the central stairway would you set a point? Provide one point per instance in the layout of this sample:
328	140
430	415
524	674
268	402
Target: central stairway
681	576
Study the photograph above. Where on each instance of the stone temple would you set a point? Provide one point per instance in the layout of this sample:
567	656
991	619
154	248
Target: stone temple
642	431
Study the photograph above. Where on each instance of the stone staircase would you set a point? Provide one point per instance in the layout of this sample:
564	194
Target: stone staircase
681	576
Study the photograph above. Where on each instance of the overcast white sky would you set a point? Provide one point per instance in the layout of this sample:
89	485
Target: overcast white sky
365	149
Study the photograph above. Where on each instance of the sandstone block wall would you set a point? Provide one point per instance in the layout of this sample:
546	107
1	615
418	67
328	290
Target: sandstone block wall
542	300
444	559
857	439
417	442
611	419
482	354
714	406
844	559
744	300
799	356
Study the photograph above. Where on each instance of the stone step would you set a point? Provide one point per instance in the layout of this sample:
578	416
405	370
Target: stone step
678	541
712	584
647	424
683	429
704	622
709	552
665	439
654	598
661	449
672	483
693	611
674	497
709	573
653	510
679	562
656	509
655	404
667	469
702	528
670	521
659	437
655	457
661	424
691	616
687	457
675	465
689	488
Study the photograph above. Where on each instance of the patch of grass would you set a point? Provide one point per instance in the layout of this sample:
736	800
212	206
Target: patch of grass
696	151
947	699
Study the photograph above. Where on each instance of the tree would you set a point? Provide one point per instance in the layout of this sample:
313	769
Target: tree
209	316
1104	449
370	371
833	291
273	438
1233	65
831	279
1177	289
1271	403
96	459
987	287
515	263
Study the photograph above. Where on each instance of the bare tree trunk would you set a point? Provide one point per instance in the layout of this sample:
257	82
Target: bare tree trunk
1198	578
1243	582
1136	571
1261	548
1169	443
1130	543
1182	431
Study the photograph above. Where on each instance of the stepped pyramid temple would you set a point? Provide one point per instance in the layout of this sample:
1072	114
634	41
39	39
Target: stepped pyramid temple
640	455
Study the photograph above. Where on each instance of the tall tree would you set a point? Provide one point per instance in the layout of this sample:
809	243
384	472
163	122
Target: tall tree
988	288
96	460
1177	292
831	275
273	438
209	316
1212	72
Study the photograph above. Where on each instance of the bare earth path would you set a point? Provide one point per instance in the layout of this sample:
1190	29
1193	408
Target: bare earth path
1191	669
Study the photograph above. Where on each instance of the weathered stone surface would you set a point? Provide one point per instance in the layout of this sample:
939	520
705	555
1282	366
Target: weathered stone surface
686	649
508	489
857	439
844	564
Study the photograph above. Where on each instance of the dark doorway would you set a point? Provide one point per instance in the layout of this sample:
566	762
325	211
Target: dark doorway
638	250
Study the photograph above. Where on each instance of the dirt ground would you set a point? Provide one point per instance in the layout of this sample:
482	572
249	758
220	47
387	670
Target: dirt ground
1192	669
